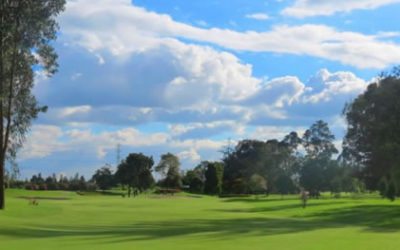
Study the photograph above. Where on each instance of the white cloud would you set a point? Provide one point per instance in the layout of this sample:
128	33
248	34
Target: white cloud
275	132
279	92
42	141
258	16
70	111
191	155
121	28
338	83
306	8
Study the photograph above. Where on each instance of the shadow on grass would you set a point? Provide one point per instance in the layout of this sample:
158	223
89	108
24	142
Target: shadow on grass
296	205
259	199
377	218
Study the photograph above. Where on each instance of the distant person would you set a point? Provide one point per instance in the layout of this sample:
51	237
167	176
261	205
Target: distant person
304	197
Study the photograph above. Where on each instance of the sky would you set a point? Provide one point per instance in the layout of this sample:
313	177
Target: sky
188	77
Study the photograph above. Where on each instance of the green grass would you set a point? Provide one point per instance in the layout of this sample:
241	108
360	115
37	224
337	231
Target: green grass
189	222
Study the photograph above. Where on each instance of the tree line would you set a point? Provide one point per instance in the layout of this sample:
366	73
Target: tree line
275	166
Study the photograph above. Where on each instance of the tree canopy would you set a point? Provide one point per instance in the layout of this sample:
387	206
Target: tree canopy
135	172
104	178
372	141
169	167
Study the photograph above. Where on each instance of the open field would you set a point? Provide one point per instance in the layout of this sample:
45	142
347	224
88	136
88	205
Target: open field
192	222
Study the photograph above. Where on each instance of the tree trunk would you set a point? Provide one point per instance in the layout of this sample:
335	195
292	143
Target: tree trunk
2	81
2	187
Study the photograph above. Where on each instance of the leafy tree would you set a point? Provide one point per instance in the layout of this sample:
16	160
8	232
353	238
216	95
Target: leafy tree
168	167
318	143
135	172
195	178
372	141
26	31
213	178
268	159
248	158
104	178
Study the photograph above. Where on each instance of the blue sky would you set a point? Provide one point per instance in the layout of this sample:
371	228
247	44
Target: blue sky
185	76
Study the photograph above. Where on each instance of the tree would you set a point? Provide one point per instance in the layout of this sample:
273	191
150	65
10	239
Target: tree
267	159
27	28
214	174
318	143
104	178
372	141
195	178
168	167
135	172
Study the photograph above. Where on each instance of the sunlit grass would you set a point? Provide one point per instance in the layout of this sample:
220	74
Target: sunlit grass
193	222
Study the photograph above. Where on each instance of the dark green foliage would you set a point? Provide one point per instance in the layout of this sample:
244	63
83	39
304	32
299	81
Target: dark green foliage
285	185
169	168
104	178
213	178
372	141
268	159
195	178
318	141
135	172
317	165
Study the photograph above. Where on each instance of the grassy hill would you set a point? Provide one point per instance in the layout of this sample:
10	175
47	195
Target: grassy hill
65	220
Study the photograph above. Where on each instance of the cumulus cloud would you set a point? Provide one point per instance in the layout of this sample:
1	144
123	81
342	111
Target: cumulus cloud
279	92
338	83
121	28
187	75
306	8
42	142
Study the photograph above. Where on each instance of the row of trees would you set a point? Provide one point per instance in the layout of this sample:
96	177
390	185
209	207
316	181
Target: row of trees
52	182
275	166
252	166
135	174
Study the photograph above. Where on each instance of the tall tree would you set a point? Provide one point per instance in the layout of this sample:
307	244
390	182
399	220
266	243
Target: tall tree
168	167
135	172
372	141
26	29
104	178
195	178
318	140
318	143
214	174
